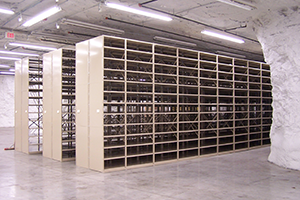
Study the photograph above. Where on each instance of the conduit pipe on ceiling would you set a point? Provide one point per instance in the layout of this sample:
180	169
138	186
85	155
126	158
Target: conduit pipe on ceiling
200	23
91	26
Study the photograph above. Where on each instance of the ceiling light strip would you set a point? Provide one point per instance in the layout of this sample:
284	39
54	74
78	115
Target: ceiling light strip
33	46
9	58
7	73
221	36
42	16
139	12
92	26
162	39
237	4
6	11
4	66
18	53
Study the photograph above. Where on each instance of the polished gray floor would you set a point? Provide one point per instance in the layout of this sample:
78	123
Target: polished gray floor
244	175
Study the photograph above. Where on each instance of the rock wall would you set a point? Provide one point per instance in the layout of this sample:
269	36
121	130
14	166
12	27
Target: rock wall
278	33
7	88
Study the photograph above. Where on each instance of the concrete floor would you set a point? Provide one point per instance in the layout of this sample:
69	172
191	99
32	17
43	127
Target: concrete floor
244	175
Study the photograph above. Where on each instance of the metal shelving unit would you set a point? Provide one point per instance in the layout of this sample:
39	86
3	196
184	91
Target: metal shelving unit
59	105
140	103
29	105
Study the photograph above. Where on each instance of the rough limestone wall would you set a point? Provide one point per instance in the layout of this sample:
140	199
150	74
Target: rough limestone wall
279	35
7	88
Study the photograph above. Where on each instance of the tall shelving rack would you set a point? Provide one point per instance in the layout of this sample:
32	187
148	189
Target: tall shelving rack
29	105
59	105
140	103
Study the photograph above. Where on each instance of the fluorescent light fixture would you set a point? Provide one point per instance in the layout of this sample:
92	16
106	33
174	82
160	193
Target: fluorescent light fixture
91	26
4	66
139	12
162	39
42	16
230	54
11	70
33	46
9	58
7	73
18	53
221	36
238	4
6	11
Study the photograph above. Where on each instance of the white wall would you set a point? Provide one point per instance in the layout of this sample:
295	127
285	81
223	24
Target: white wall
278	33
7	88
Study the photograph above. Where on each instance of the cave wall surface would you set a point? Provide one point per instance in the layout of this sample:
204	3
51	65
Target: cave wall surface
279	34
7	101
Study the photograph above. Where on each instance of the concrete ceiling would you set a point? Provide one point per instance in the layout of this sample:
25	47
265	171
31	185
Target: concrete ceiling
190	17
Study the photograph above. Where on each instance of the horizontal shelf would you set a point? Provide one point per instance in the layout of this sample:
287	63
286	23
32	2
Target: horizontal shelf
140	52
70	149
140	72
35	144
138	145
162	152
139	155
114	146
67	140
188	140
117	59
114	158
114	48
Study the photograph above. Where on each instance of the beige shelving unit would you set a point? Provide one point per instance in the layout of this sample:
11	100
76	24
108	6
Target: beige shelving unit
59	105
141	103
28	105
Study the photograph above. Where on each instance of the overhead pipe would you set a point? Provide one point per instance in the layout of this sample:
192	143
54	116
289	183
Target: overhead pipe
57	41
144	3
81	34
197	22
